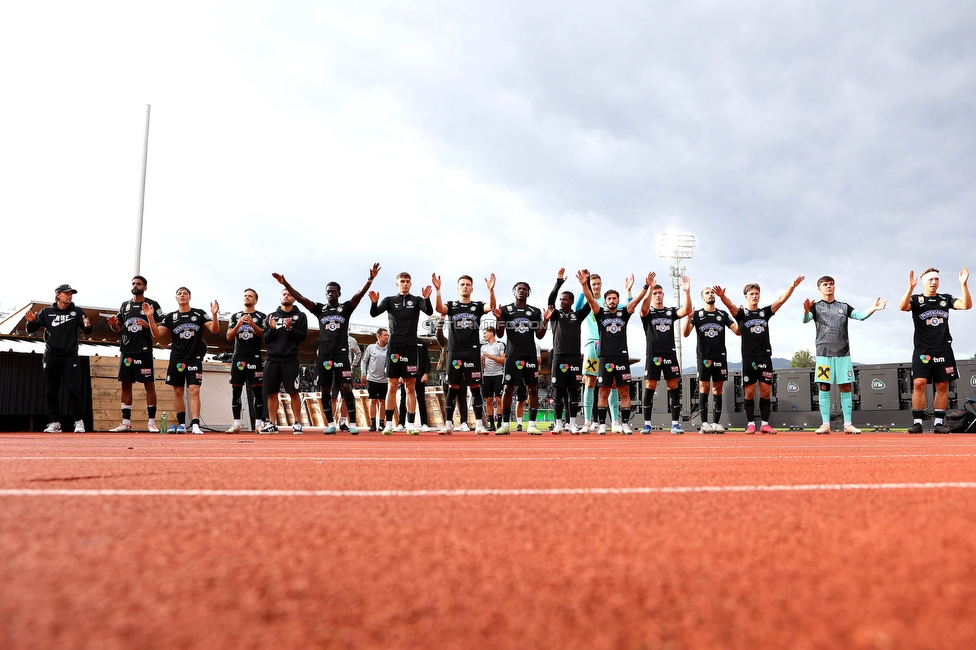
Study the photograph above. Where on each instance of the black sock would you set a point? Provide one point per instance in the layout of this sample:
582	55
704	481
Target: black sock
181	417
235	401
750	406
765	407
674	396
703	407
717	408
152	411
648	403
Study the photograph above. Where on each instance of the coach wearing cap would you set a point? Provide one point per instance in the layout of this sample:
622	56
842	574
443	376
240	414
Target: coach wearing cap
61	322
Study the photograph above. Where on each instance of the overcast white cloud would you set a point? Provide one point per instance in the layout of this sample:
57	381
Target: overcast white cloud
315	138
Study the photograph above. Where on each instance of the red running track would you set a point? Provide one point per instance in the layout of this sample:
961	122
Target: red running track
798	540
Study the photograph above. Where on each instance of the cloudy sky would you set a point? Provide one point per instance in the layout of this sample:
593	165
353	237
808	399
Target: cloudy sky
312	139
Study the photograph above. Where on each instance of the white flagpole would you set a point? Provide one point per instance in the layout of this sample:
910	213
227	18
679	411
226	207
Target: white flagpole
142	194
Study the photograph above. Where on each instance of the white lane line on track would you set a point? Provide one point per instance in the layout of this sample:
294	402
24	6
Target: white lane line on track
452	459
821	487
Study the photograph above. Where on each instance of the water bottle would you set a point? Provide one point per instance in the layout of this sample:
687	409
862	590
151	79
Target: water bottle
164	428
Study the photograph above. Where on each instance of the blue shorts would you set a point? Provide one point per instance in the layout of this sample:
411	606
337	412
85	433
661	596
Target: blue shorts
591	358
834	370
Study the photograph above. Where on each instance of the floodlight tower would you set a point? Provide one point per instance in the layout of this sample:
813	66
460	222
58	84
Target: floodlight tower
676	246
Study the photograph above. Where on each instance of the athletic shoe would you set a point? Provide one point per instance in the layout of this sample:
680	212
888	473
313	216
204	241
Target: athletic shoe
372	427
388	429
464	427
152	427
413	431
751	429
764	429
480	430
181	428
940	428
448	428
602	430
556	429
586	426
79	426
518	427
330	430
297	429
595	428
172	429
53	427
824	429
258	425
616	428
122	428
503	430
705	428
344	427
915	428
676	430
850	428
270	427
573	430
197	430
646	430
353	430
234	429
399	428
626	430
533	430
425	429
717	428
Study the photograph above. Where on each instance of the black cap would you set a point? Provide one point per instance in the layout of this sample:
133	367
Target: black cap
65	287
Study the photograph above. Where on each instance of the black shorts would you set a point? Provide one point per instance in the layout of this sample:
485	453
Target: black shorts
464	370
658	365
185	372
520	370
333	367
567	370
491	386
715	369
247	371
377	389
935	365
402	362
757	369
614	371
136	368
281	373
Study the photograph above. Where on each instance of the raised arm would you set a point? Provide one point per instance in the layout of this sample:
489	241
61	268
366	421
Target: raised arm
425	306
720	292
214	323
375	308
807	310
689	326
157	330
584	279
308	304
967	300
490	283
783	297
356	299
646	304
905	304
560	279
643	293
440	307
686	289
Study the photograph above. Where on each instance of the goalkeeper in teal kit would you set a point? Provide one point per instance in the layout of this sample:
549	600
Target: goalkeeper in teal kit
834	364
